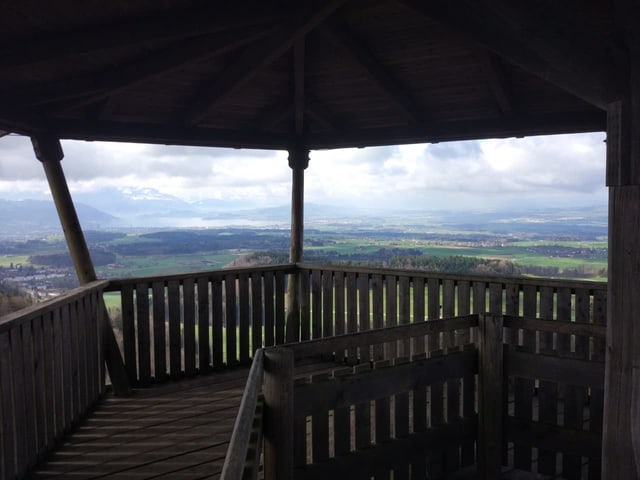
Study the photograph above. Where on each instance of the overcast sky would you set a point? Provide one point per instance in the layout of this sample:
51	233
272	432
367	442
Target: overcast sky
563	170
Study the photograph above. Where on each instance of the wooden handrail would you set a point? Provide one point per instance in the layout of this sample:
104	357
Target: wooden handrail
51	374
554	326
117	283
535	281
237	465
312	348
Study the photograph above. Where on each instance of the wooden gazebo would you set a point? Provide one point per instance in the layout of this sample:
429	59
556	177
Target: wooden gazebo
299	76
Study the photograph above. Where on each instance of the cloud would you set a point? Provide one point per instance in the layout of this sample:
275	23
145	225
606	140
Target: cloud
563	169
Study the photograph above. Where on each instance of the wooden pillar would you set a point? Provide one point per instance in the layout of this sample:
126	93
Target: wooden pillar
490	394
278	413
49	151
621	429
298	161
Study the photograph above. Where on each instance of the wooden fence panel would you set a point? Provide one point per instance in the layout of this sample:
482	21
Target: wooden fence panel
49	375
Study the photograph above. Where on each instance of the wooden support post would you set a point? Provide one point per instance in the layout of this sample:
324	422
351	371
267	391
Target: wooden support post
621	428
298	161
49	151
278	414
490	397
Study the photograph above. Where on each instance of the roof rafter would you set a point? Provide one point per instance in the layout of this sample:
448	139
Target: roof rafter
245	67
496	80
80	91
298	85
166	135
341	36
535	45
167	26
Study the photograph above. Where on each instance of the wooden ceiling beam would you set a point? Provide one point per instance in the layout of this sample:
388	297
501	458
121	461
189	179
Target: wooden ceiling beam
250	138
298	85
540	47
342	37
79	91
496	80
247	64
163	27
460	130
166	134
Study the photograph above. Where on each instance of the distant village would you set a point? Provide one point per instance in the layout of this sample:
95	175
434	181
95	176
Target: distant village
42	283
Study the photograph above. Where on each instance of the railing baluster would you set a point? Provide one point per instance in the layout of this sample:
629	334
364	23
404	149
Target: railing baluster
256	313
189	326
230	317
243	317
175	320
218	322
270	314
280	313
204	328
327	303
144	339
159	331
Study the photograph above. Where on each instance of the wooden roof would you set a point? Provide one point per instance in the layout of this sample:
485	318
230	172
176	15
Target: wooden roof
322	74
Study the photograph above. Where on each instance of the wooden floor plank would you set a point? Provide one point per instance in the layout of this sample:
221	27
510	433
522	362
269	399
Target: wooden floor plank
175	430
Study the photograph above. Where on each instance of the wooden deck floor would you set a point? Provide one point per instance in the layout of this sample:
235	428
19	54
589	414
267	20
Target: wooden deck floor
178	430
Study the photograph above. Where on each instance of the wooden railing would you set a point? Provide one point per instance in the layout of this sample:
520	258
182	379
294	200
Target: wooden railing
51	374
193	323
384	417
556	397
187	324
242	461
484	405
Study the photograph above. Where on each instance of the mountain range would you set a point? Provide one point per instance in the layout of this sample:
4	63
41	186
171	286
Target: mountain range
147	208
